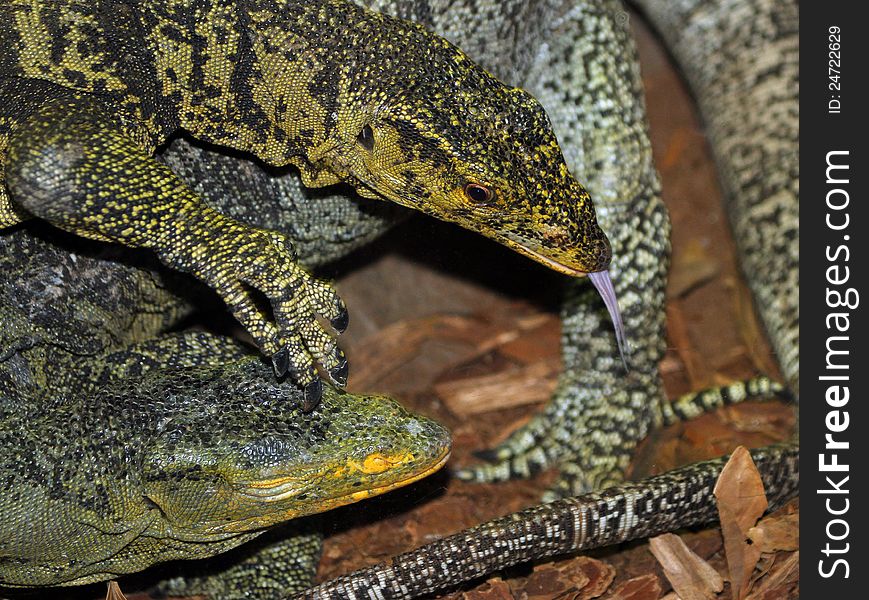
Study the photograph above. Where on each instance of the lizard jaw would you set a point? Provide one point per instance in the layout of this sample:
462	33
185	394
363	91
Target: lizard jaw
536	256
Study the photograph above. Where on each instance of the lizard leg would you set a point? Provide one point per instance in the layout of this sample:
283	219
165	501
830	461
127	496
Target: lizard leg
581	431
600	411
85	172
279	563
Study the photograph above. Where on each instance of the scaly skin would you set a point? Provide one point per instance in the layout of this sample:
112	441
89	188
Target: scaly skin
599	411
115	453
90	90
594	101
741	59
617	153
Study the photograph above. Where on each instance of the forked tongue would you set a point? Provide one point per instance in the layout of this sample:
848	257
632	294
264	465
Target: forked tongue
604	285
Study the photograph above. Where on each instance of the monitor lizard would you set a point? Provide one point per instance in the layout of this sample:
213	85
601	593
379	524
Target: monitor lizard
91	89
740	58
121	447
608	167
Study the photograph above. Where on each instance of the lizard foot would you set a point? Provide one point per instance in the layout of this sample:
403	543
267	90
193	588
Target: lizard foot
576	434
298	324
278	564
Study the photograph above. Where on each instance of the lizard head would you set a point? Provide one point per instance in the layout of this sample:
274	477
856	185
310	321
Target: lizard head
245	456
484	156
400	113
429	129
408	117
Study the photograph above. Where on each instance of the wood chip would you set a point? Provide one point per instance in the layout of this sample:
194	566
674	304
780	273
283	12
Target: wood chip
494	589
397	344
741	502
752	332
535	338
677	331
692	267
580	578
644	587
516	387
691	577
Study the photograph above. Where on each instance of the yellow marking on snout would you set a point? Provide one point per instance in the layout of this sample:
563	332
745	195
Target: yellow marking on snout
357	496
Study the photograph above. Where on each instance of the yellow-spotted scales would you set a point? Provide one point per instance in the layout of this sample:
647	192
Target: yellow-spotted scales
91	89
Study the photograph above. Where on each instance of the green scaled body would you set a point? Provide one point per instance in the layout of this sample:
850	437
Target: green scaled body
121	448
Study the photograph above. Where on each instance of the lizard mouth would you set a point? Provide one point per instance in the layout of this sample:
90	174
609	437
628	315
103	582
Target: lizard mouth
287	487
549	262
435	467
293	490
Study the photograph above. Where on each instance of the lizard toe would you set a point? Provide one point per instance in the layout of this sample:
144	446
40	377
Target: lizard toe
313	393
281	362
339	373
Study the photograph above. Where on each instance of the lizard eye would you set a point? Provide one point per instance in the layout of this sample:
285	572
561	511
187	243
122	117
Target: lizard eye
366	138
477	193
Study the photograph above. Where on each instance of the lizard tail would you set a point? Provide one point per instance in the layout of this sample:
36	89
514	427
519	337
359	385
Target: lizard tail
694	404
679	498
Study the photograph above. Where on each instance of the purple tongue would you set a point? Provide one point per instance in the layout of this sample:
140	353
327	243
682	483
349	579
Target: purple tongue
604	285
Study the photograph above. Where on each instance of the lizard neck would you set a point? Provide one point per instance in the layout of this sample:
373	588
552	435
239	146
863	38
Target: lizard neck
257	76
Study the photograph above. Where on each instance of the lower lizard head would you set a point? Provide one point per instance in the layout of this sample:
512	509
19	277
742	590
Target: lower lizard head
252	458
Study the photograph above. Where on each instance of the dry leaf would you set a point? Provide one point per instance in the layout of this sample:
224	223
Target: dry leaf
778	532
691	576
741	502
114	592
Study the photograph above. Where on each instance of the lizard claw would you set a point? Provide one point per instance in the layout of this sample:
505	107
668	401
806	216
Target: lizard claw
340	322
281	362
313	393
240	260
339	373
